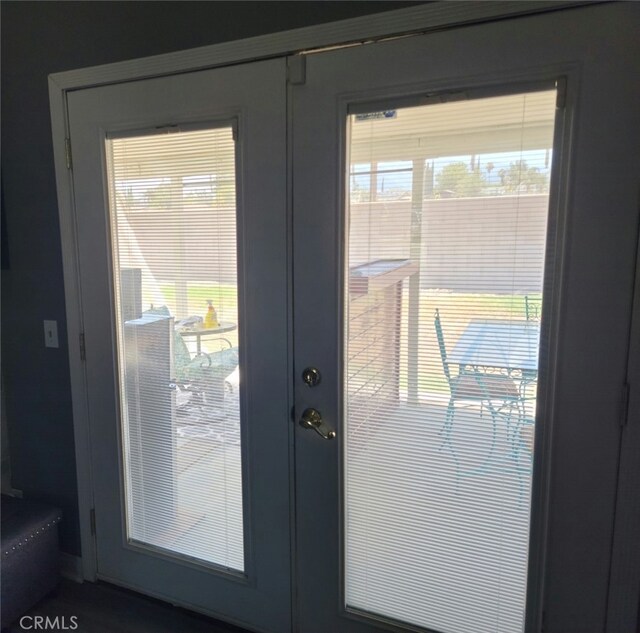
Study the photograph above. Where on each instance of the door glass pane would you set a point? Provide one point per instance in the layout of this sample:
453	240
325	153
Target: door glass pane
173	231
447	209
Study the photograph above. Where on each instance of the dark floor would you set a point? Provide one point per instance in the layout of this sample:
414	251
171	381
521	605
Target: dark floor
104	608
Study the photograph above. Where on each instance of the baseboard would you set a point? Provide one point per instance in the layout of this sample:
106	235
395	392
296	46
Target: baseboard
71	567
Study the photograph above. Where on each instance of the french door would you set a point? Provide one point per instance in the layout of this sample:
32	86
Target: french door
335	330
180	190
436	184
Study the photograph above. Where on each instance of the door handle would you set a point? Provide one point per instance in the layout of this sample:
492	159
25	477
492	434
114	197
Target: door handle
312	419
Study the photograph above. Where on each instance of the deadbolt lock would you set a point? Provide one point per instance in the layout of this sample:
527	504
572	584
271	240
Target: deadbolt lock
311	376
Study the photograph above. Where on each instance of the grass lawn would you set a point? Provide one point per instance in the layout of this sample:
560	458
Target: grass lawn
224	298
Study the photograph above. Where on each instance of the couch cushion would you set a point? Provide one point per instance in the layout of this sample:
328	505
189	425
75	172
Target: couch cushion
23	520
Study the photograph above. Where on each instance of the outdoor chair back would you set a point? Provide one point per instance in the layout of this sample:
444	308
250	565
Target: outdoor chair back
441	346
532	308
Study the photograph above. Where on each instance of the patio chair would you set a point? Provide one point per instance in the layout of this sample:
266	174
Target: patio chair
204	376
532	308
495	392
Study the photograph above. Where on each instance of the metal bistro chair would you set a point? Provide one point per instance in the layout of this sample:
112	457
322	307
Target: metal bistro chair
532	308
205	376
496	393
202	377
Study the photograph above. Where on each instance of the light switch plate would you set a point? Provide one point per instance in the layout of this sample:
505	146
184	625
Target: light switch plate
51	333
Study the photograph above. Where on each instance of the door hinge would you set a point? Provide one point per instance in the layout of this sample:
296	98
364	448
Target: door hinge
92	520
83	349
67	152
624	405
297	69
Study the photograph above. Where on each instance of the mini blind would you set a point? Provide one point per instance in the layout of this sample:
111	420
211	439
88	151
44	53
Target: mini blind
446	222
173	234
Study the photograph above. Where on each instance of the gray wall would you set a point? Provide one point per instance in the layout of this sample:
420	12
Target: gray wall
39	38
5	469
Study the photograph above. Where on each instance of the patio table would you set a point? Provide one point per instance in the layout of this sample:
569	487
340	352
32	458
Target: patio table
498	344
199	333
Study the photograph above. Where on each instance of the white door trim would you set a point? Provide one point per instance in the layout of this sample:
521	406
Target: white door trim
420	19
79	403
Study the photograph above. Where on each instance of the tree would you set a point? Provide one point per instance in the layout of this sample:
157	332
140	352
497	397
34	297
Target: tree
522	178
456	180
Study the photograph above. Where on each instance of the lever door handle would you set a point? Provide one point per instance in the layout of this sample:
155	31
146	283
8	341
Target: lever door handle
312	419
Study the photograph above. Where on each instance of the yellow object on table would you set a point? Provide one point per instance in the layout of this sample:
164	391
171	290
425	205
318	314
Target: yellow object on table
211	318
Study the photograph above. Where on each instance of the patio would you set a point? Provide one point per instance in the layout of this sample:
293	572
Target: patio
430	513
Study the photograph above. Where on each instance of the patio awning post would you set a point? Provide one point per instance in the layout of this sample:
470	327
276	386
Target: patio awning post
413	324
177	209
